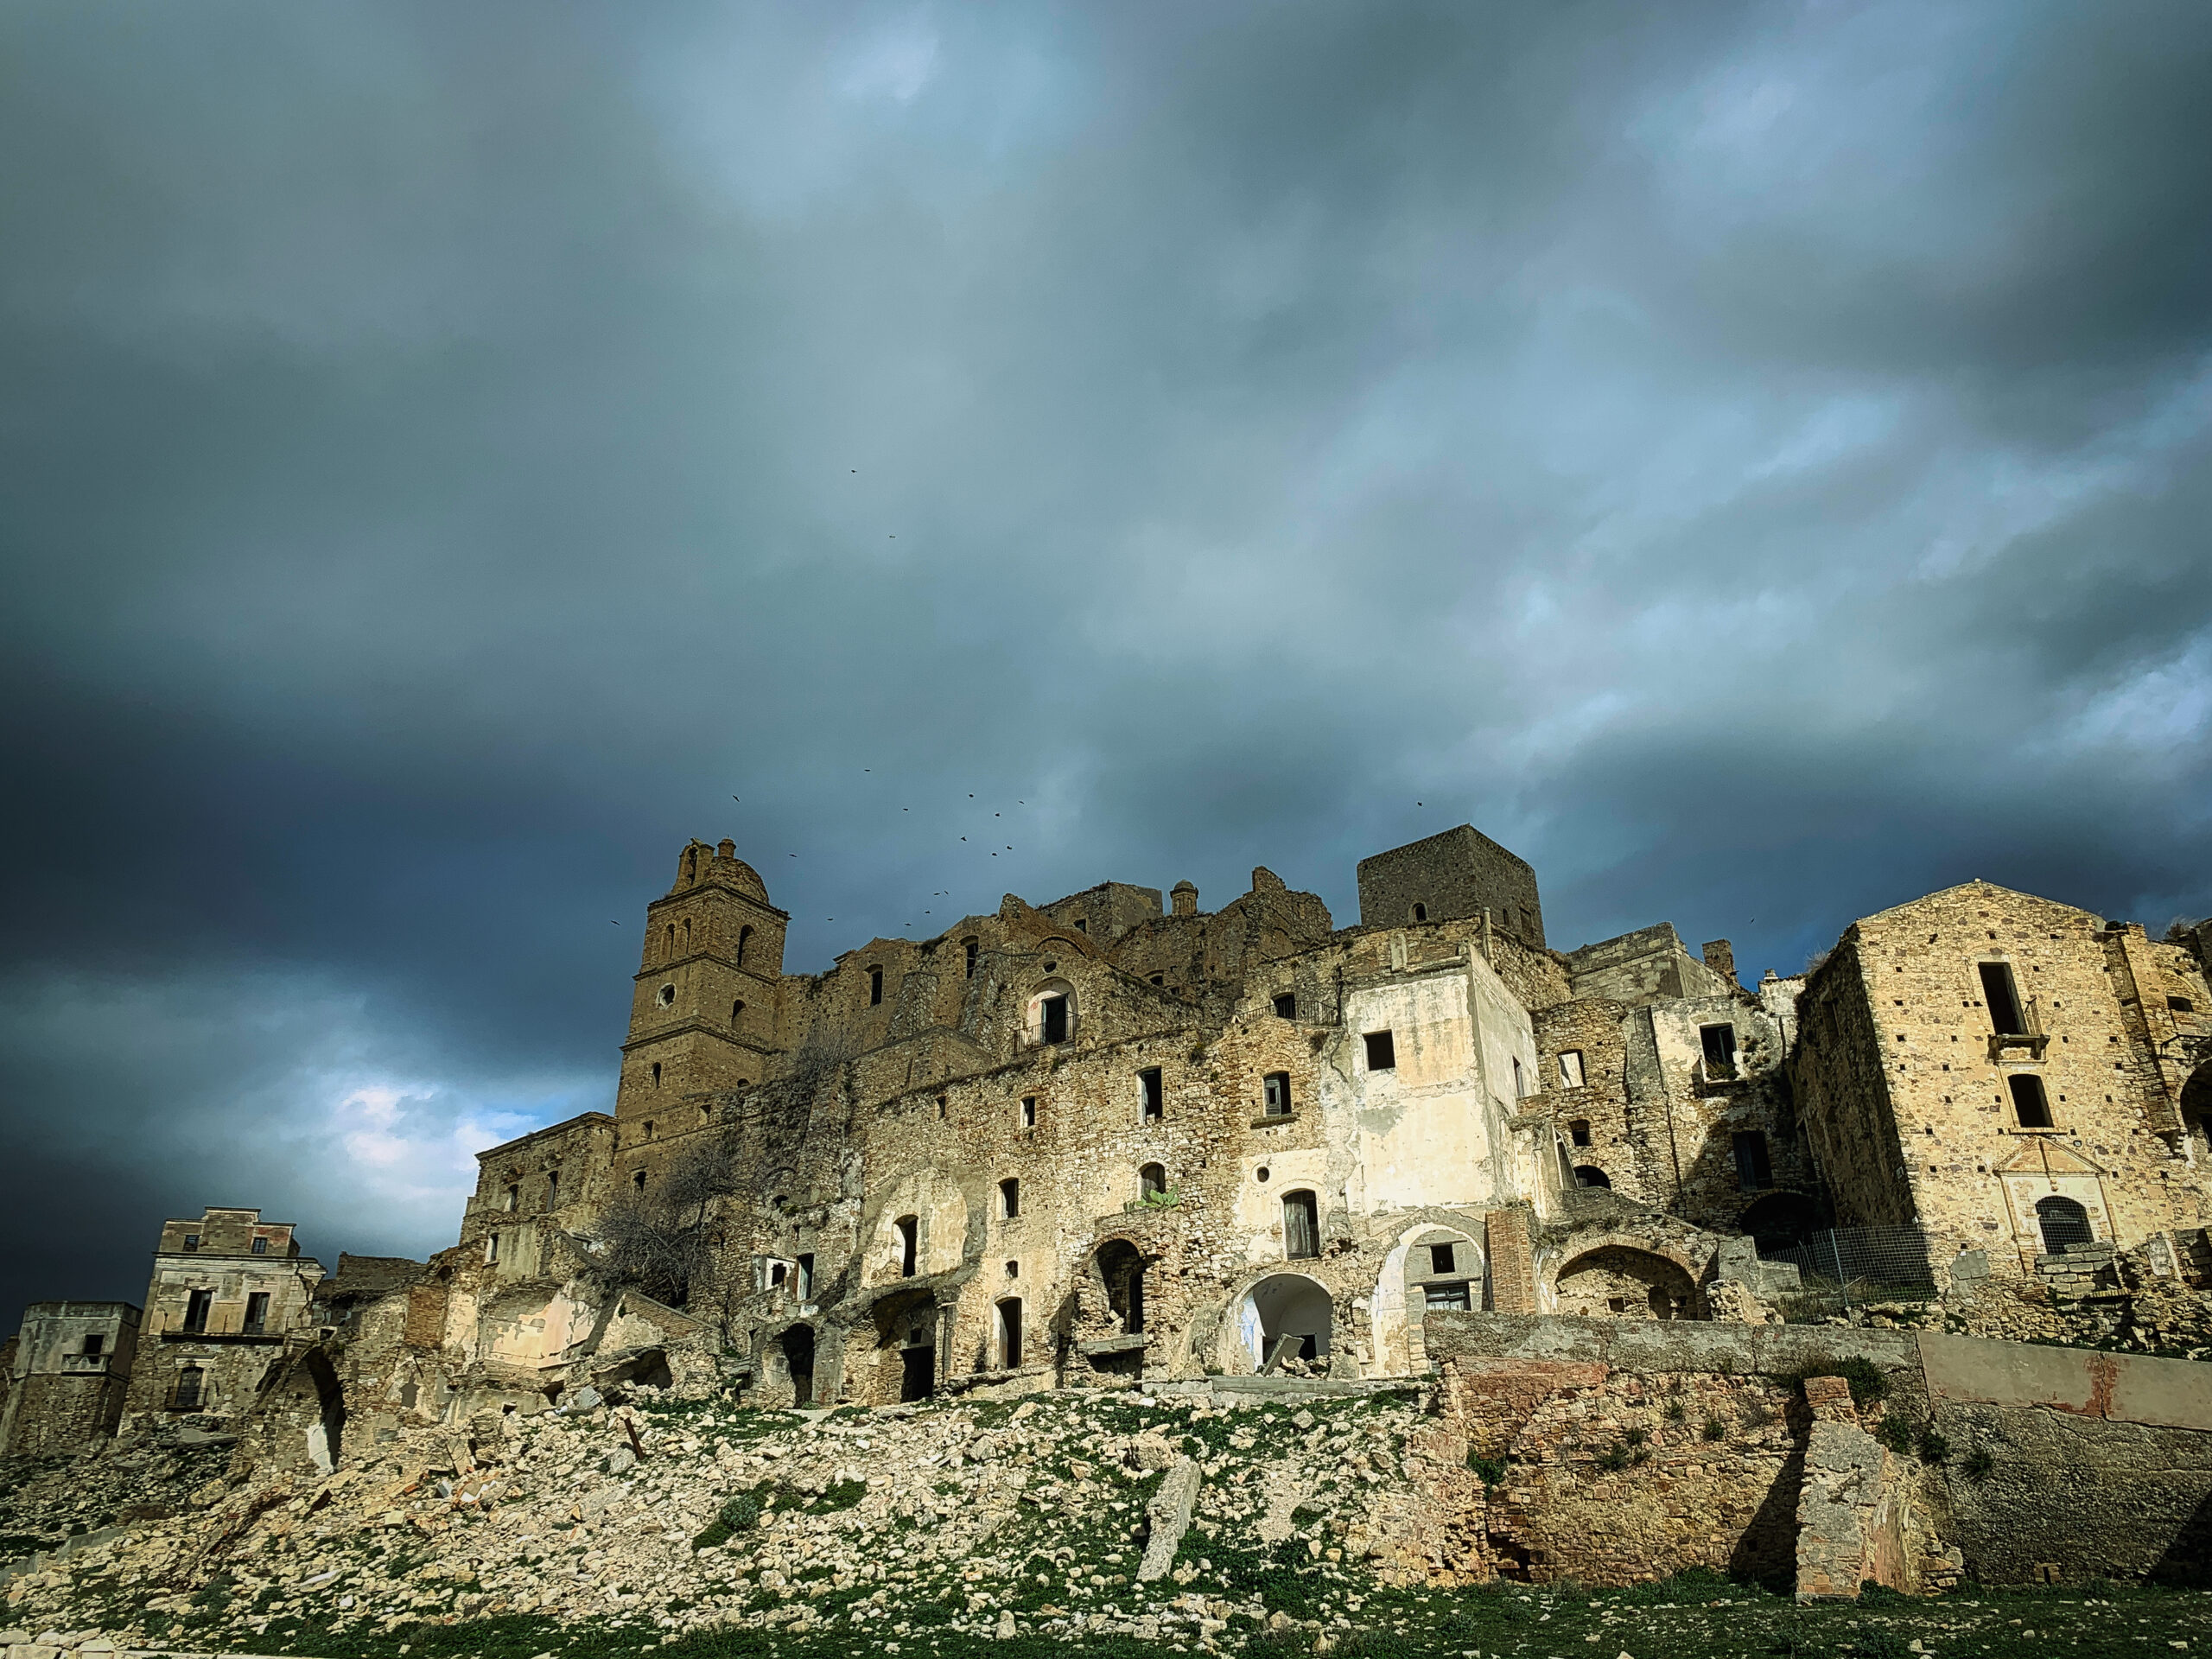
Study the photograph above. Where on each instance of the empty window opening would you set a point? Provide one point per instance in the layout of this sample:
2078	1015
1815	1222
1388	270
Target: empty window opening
777	1274
1082	925
492	1248
2030	1105
95	1344
1420	913
805	1288
1155	1094
1447	1298
1123	1269
874	986
656	1074
257	1313
1160	979
2063	1223
1029	1111
975	949
909	1229
649	1129
1301	1231
195	1309
260	1246
1754	1171
514	1201
744	939
2178	1004
637	1183
1275	1089
1287	1005
1520	1080
1010	1326
1590	1175
188	1382
736	1012
1443	1258
1571	1074
1014	1269
1382	1053
2002	998
553	1190
192	1240
1718	1043
1260	1174
1055	1012
1577	1131
1152	1181
668	951
1009	1198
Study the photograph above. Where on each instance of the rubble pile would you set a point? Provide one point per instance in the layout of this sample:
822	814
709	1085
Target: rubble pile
668	1513
45	1502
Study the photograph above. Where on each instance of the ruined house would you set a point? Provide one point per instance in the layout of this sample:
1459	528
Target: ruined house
68	1371
1118	1137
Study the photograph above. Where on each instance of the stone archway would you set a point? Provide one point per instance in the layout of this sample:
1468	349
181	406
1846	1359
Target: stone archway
1435	1264
1286	1305
1620	1281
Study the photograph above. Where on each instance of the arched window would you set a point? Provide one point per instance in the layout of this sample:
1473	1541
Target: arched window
1590	1175
687	935
1009	1333
1301	1231
1152	1181
744	939
736	1012
909	1229
975	949
2063	1221
656	1074
1009	1198
670	942
1420	913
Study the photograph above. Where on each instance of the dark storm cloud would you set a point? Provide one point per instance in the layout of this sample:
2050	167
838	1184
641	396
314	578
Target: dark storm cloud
1751	460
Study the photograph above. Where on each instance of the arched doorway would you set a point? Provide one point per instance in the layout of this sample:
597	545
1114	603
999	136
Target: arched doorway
797	1346
1779	1221
906	1340
1617	1282
1589	1175
1122	1269
2063	1221
1289	1313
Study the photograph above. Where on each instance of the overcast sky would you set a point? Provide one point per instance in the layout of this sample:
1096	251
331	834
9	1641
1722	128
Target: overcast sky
1751	461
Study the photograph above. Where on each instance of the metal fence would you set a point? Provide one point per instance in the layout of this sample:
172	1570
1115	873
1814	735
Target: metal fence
1843	1266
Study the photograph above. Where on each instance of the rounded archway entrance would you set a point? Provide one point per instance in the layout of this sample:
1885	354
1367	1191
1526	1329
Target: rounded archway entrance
1618	1282
1779	1221
1286	1316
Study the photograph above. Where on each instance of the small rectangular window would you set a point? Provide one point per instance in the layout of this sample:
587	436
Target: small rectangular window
2030	1105
1287	1005
1754	1174
196	1310
1029	1111
2181	1005
1443	1258
874	986
1446	1299
95	1346
260	1246
188	1388
492	1248
974	950
1009	1198
1520	1080
804	1289
1301	1235
1155	1095
1719	1045
1570	1069
2002	999
257	1313
514	1198
1578	1130
1056	1019
1275	1089
192	1240
1382	1054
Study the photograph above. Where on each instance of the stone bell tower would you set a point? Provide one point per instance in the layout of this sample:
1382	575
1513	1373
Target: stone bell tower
702	1010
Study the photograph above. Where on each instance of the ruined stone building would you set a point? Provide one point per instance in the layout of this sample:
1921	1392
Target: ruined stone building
68	1372
1119	1136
